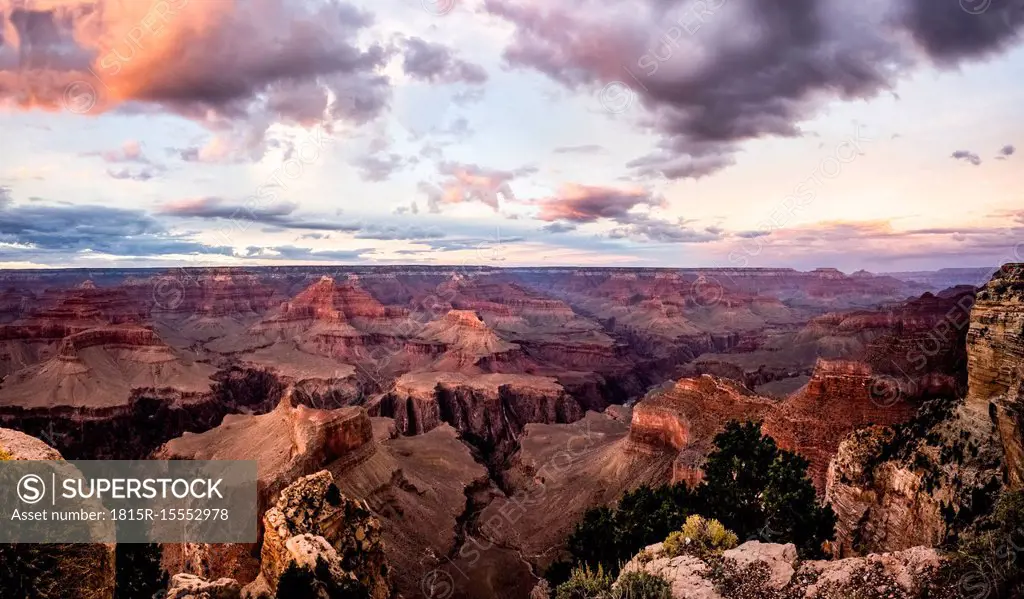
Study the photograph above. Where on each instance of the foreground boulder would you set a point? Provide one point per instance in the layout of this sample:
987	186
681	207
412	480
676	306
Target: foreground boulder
756	569
315	528
318	544
187	586
51	571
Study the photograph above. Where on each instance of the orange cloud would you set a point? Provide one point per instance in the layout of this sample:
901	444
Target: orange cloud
219	61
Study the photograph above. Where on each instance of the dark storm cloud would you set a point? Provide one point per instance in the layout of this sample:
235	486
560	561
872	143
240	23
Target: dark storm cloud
722	72
952	31
436	63
96	228
966	156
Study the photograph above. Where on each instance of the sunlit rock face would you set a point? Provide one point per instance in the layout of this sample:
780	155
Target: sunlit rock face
995	347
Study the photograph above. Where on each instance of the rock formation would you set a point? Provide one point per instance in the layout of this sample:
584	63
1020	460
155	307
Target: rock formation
490	409
995	347
99	368
294	441
840	397
682	419
893	488
51	571
318	544
474	451
772	570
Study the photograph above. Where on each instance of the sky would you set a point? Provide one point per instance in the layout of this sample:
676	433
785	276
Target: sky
664	133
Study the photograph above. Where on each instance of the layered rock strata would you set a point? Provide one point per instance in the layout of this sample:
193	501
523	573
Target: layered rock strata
995	348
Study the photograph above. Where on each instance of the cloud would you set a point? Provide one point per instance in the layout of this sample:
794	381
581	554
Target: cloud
412	208
130	152
142	174
878	241
463	182
1007	150
727	71
291	252
275	214
378	167
234	67
281	215
589	203
391	232
967	156
559	227
215	207
99	229
436	63
644	228
584	149
134	164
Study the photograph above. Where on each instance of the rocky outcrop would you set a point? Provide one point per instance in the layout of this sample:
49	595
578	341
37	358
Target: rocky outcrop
187	586
490	409
51	571
682	419
896	487
995	347
558	473
469	344
318	544
287	443
840	397
313	521
772	570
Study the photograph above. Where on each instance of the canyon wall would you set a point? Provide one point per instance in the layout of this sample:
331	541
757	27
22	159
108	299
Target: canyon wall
995	345
905	485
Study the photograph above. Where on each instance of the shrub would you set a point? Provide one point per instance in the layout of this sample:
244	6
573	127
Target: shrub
751	487
139	574
758	490
585	583
319	582
987	556
701	538
5	455
641	585
609	537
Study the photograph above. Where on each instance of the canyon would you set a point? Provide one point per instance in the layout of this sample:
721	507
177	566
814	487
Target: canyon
479	412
